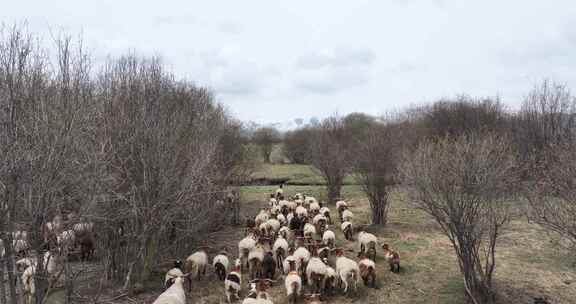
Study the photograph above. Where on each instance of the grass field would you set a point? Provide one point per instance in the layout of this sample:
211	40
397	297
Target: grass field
294	174
529	263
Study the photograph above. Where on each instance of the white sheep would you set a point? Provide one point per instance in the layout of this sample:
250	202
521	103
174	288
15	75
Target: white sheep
314	208
367	242
282	219
274	224
341	204
309	230
302	256
292	205
173	295
233	282
287	261
280	250
347	271
171	276
244	247
329	238
318	218
347	215
301	212
221	264
255	259
347	230
66	240
326	213
262	217
20	246
195	264
28	285
329	279
315	273
293	284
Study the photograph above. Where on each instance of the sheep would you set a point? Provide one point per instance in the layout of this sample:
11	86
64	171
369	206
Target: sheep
279	191
293	284
348	271
83	228
66	240
314	208
319	222
341	206
255	259
244	247
262	217
195	264
221	265
20	247
302	256
367	271
268	266
347	230
329	279
87	246
280	249
329	238
233	282
286	263
367	242
326	213
315	274
28	285
392	257
309	230
284	232
292	205
347	215
272	202
274	225
258	294
172	274
301	212
281	219
175	294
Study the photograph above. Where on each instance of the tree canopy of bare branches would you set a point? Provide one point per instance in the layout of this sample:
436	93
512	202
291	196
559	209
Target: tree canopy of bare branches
143	156
547	117
464	183
266	138
329	154
552	191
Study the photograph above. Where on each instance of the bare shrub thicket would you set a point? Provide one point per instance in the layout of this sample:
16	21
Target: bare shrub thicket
552	191
464	184
296	145
266	138
329	154
146	158
463	115
547	117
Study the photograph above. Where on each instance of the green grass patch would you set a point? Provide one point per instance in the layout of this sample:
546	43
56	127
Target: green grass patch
453	291
293	174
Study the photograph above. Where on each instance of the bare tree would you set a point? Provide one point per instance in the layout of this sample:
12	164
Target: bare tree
266	138
329	154
552	191
464	184
547	117
374	159
296	145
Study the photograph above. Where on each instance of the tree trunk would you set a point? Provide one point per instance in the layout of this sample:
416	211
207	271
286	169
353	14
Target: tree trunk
379	205
333	192
2	283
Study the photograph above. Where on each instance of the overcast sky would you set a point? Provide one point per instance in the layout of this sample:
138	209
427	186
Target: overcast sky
271	61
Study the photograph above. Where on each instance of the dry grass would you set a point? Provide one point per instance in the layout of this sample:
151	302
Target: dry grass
529	263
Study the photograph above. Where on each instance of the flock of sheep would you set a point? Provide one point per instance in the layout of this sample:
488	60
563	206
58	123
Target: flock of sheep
291	237
60	238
